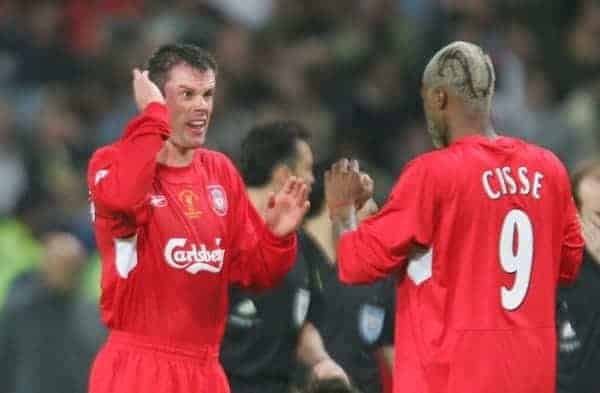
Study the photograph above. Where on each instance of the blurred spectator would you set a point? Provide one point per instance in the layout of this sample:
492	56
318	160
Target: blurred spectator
537	119
252	13
579	305
12	164
17	259
48	336
581	112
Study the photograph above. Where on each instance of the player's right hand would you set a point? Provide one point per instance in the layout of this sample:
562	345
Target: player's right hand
144	90
343	185
368	186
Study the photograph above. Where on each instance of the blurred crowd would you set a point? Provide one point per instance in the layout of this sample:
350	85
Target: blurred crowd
349	70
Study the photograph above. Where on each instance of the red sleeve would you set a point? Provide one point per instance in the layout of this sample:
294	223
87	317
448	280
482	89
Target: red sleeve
120	177
572	242
383	243
261	259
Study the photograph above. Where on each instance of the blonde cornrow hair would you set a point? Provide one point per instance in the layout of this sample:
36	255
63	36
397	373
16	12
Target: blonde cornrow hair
466	70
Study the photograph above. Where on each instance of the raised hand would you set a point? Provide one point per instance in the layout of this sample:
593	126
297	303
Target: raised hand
368	186
144	90
286	209
343	185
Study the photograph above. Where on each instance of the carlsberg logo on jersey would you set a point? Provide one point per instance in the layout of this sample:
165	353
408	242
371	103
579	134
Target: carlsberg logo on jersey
194	258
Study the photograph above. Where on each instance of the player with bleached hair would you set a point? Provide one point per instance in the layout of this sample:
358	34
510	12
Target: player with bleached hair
480	232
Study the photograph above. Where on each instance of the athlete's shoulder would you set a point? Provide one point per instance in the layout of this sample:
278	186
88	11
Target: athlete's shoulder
430	161
217	164
545	156
214	160
101	158
213	156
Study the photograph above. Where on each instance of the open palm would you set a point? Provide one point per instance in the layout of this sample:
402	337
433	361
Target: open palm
286	209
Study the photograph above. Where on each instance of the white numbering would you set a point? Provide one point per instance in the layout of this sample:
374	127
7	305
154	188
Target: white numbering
517	260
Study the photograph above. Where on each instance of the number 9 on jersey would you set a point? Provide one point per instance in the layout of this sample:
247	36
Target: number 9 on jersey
518	261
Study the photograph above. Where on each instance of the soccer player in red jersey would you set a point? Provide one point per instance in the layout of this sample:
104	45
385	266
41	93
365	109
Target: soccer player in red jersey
175	228
480	232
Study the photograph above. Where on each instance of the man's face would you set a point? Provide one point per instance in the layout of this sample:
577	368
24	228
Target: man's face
303	167
63	261
589	195
436	125
189	94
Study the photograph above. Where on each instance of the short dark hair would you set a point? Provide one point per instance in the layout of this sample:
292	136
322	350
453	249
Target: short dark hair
170	55
267	146
330	385
317	192
581	171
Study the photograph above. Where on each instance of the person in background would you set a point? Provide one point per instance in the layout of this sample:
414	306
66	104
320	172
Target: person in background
357	322
268	333
48	333
579	304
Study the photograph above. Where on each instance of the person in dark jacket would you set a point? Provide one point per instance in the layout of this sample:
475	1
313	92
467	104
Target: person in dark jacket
48	333
579	305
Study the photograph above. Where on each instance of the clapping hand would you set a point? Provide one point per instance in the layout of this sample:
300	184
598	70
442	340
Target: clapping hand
346	186
286	208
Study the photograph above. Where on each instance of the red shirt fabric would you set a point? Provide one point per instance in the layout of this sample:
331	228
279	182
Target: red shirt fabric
480	234
172	239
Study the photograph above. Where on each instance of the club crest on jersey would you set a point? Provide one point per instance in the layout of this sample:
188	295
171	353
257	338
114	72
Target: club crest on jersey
190	203
370	322
158	200
193	258
218	199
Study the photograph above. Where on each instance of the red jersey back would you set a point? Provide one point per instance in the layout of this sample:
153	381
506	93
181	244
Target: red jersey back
481	232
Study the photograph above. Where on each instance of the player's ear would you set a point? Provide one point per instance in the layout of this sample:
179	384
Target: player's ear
440	97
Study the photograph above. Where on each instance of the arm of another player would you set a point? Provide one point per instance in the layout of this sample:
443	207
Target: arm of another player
572	246
386	341
312	353
120	178
267	248
383	243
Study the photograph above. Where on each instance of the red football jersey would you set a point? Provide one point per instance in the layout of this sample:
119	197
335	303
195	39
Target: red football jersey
172	239
480	234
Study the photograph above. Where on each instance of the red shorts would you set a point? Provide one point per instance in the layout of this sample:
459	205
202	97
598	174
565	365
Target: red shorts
134	364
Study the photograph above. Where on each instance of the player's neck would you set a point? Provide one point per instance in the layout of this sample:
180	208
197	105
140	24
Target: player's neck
468	126
176	156
319	229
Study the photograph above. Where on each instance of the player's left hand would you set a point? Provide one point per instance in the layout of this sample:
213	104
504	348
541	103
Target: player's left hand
368	187
344	185
368	209
286	209
327	368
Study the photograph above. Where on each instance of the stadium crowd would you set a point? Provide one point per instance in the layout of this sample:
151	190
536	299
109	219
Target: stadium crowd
350	73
